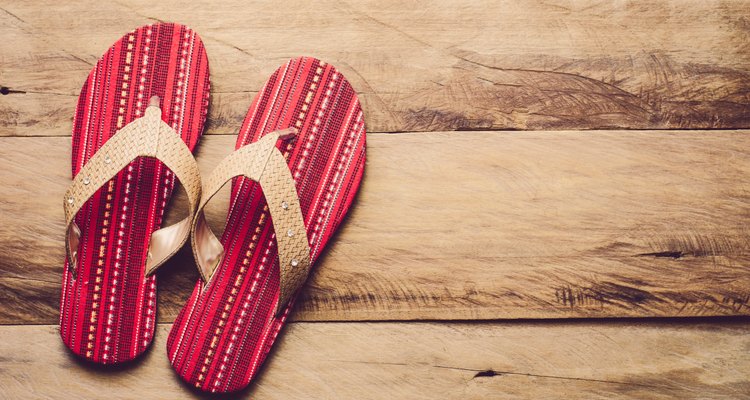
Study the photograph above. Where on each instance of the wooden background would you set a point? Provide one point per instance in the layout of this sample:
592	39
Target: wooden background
536	171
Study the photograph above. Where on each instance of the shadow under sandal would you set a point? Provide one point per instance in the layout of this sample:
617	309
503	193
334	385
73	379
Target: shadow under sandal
299	162
139	116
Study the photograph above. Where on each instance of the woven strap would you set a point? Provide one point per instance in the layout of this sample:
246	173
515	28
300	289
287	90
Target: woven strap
147	136
262	162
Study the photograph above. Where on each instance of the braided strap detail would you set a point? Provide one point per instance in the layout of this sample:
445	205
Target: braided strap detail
263	163
147	136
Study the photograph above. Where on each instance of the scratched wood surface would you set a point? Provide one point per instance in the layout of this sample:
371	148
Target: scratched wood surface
647	218
418	66
463	225
423	361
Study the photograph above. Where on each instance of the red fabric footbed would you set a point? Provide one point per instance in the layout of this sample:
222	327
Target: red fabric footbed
108	313
223	334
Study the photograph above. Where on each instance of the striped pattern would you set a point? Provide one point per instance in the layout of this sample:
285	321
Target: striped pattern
223	334
107	314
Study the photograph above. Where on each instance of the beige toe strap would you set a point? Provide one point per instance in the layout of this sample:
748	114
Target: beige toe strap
262	162
147	136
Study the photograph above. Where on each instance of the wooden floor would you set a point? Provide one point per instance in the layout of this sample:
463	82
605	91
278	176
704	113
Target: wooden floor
556	200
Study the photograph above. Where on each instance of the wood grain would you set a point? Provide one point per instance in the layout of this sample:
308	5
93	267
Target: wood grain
448	225
425	66
465	225
422	361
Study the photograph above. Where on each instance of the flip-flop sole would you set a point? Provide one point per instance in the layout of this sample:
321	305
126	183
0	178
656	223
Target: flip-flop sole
107	313
223	334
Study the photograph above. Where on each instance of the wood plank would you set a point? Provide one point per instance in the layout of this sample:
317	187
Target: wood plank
421	361
429	66
465	225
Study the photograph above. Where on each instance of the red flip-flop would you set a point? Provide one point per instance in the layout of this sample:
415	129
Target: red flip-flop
139	116
303	141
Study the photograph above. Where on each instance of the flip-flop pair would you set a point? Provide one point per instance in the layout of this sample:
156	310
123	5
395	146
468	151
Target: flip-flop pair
298	162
